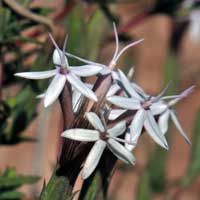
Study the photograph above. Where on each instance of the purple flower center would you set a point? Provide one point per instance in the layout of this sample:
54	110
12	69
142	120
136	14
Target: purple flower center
63	70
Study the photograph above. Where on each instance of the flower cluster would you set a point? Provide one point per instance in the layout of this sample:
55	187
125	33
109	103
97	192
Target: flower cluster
117	129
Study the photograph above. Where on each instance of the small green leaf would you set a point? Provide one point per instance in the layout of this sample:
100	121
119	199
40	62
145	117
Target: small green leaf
11	195
15	182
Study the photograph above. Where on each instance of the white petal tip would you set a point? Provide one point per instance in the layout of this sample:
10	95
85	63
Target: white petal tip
84	176
19	75
141	40
132	162
95	98
166	147
63	134
188	141
47	104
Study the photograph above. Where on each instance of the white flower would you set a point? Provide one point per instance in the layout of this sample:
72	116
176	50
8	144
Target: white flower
103	138
170	112
63	73
138	101
131	141
110	68
78	98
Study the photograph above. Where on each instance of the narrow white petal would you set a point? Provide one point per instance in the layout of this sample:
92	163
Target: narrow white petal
120	151
129	146
57	59
163	122
127	86
95	121
130	73
89	85
118	129
93	158
127	47
158	107
113	90
169	97
85	135
137	124
86	70
83	60
77	100
54	89
115	75
115	113
105	70
157	98
40	96
154	131
178	126
37	75
139	90
124	102
80	86
116	42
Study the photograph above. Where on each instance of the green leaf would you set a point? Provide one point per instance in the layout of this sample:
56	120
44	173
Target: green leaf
58	188
15	182
94	34
10	181
76	26
11	195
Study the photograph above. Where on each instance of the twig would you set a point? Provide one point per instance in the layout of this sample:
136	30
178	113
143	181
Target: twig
28	14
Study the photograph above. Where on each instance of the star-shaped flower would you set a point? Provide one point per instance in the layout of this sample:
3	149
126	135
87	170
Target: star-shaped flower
117	54
137	100
63	73
103	138
170	112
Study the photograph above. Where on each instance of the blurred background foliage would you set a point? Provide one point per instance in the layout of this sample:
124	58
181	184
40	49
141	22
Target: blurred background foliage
88	24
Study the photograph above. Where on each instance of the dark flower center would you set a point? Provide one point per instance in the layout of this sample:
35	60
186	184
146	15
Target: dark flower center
104	136
63	70
146	104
